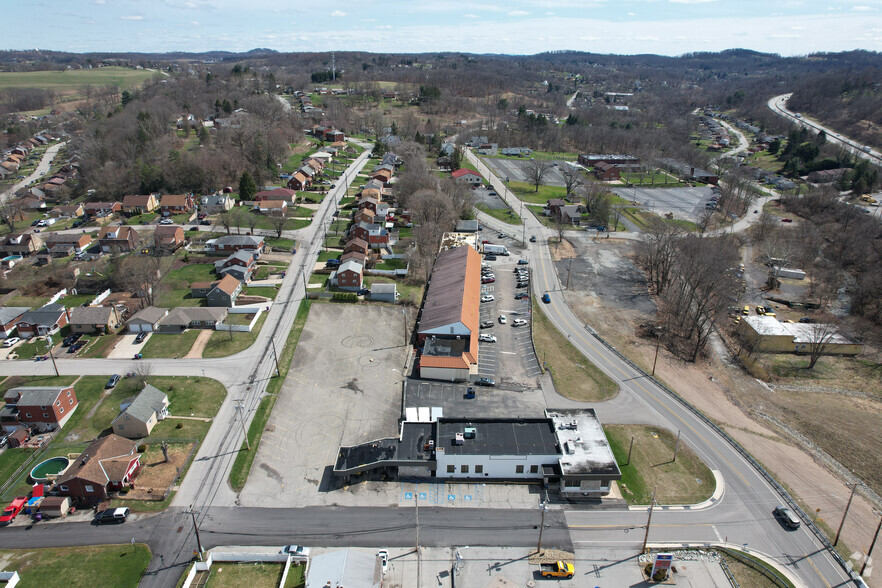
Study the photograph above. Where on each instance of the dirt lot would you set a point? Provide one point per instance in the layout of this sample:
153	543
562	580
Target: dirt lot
155	475
772	421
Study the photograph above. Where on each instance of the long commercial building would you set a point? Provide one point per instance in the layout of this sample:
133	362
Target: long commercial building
449	321
567	451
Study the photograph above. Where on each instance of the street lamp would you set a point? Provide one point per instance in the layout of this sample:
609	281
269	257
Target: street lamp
544	508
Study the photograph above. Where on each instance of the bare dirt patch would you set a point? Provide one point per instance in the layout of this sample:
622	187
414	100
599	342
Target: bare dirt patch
156	475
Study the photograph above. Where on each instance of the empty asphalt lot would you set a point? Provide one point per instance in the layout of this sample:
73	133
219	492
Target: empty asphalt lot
344	387
683	203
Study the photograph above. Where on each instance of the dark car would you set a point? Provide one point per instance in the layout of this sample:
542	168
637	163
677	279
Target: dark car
786	517
205	222
332	263
546	298
532	238
485	382
113	381
521	295
75	347
487	324
363	292
76	224
523	262
140	338
34	224
112	515
807	320
490	257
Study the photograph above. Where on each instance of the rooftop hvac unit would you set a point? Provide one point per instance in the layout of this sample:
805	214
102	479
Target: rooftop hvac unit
459	439
569	448
470	432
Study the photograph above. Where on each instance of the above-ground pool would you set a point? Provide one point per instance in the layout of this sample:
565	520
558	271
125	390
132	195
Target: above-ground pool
51	467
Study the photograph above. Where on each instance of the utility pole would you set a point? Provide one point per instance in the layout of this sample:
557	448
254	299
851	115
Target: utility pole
657	345
275	357
845	514
649	520
544	508
196	529
630	447
51	356
676	446
240	410
569	267
872	545
404	324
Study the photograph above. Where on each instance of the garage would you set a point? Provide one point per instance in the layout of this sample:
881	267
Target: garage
146	320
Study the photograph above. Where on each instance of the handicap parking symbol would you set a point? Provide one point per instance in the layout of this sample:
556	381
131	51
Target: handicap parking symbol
467	497
422	495
451	497
408	495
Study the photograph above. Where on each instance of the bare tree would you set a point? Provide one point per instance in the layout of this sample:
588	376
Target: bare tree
704	220
9	211
251	221
572	178
226	220
140	275
536	170
142	371
657	252
278	224
820	335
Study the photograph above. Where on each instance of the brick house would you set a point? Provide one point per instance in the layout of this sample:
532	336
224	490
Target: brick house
133	204
68	211
365	215
9	316
299	181
101	209
118	239
383	175
176	204
191	317
284	194
46	408
334	135
168	237
368	202
348	276
23	244
108	464
356	244
356	255
94	319
273	207
241	265
606	171
42	321
467	176
232	243
146	320
79	241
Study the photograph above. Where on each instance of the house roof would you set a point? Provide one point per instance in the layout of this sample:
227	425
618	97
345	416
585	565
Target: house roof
244	256
383	288
46	315
101	205
300	176
351	265
168	230
150	315
453	292
215	199
148	402
277	192
238	240
117	233
228	284
10	313
63	238
349	568
184	315
90	315
174	200
269	204
244	270
104	460
36	395
358	242
464	172
136	199
444	362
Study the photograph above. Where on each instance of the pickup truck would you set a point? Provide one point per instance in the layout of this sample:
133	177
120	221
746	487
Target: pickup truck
13	509
557	570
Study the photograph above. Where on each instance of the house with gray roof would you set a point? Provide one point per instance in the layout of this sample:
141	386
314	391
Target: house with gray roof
146	320
140	414
182	318
94	319
215	203
384	292
43	321
9	316
232	243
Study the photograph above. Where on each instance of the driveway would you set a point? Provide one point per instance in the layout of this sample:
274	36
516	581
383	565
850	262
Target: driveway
126	348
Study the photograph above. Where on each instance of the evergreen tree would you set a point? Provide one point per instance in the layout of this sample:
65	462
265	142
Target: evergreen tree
247	187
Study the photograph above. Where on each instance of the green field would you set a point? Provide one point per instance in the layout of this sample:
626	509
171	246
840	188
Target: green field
81	566
71	82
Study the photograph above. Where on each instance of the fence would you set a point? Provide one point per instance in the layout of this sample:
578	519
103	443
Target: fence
205	566
747	457
241	328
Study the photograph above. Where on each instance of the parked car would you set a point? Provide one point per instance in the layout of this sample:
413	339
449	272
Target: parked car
518	323
521	295
166	221
746	310
205	222
75	347
502	319
71	339
532	238
332	263
11	341
113	381
487	298
782	513
485	382
487	324
363	292
11	511
807	320
488	280
490	257
523	262
140	338
41	357
786	220
546	298
295	550
522	285
383	556
112	515
201	215
487	338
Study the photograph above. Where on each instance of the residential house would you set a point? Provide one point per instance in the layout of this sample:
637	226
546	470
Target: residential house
369	203
216	203
827	176
378	237
606	172
241	265
168	237
68	211
346	567
365	215
356	244
59	251
299	181
94	319
79	241
467	176
273	207
101	209
384	292
571	214
118	239
334	135
349	276
232	243
46	408
107	465
382	175
191	317
315	163
146	320
552	205
176	204
23	244
276	194
9	316
356	255
222	292
768	334
43	321
133	204
140	414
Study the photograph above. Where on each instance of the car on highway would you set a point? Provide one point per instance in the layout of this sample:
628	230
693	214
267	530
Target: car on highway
11	341
546	298
786	517
298	550
786	220
113	381
140	338
502	319
487	298
518	323
383	556
487	324
485	382
487	338
112	515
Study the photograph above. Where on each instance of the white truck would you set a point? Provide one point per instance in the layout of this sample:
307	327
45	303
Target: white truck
490	248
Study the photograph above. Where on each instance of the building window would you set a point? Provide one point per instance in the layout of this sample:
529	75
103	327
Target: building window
451	469
70	401
63	488
42	408
519	469
572	483
479	469
121	427
89	488
464	469
534	469
61	410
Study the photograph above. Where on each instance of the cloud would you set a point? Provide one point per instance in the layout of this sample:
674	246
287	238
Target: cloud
518	13
691	1
195	23
132	17
861	8
470	16
632	14
338	13
99	2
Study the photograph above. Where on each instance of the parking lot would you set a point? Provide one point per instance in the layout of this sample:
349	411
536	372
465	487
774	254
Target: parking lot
515	170
683	203
492	201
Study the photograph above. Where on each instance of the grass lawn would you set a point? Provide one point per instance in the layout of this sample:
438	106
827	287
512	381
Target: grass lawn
392	264
574	375
503	214
74	80
326	255
323	280
223	343
654	178
253	575
264	271
30	348
537	209
749	577
29	301
527	192
170	344
146	218
301	211
242	464
280	243
186	275
652	466
267	292
314	197
98	346
406	289
291	224
11	460
96	565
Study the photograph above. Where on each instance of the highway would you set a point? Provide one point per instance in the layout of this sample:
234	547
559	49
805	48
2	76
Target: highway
743	514
778	105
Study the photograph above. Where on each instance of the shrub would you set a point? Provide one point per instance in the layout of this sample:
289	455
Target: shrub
142	448
179	426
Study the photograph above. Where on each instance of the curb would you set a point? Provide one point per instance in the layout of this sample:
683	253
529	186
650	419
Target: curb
717	496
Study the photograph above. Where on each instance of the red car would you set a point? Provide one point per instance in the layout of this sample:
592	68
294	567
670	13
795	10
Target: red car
488	280
12	510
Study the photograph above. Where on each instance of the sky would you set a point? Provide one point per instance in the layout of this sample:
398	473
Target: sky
665	27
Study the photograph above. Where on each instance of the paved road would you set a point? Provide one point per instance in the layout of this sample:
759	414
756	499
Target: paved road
741	516
42	168
778	105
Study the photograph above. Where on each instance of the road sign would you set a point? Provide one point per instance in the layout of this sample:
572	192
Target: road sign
663	561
